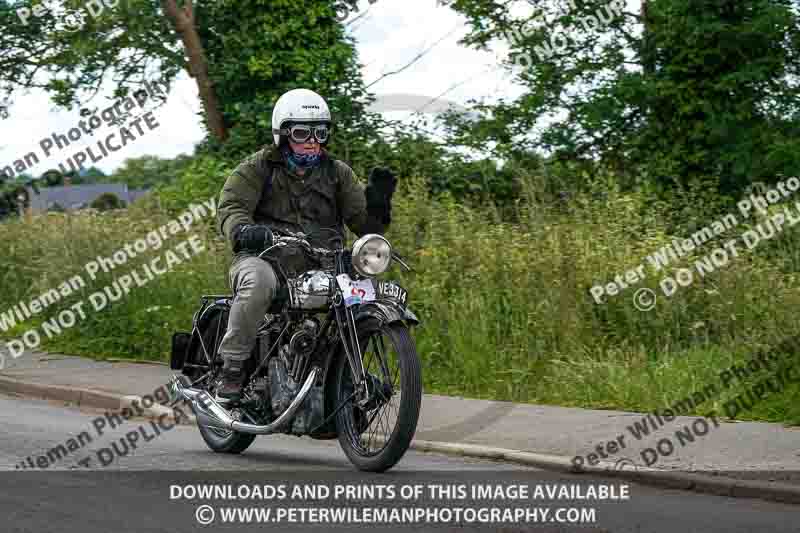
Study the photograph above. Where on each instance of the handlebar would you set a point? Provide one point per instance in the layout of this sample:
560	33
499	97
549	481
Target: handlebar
297	239
400	260
287	238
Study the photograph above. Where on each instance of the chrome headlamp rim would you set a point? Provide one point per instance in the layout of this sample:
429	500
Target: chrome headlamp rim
358	246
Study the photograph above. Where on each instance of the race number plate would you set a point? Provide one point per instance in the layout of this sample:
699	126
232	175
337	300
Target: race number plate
392	291
355	292
367	290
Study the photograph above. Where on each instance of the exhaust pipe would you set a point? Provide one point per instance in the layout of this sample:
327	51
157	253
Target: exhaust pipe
210	413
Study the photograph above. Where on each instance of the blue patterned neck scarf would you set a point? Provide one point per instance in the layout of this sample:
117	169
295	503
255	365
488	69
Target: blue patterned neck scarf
304	161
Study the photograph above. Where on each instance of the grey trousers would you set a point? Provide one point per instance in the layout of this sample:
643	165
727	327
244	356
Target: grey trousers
254	283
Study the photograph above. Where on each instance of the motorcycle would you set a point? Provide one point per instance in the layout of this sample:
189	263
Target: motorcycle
334	357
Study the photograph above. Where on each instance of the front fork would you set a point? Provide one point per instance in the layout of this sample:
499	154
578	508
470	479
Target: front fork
349	334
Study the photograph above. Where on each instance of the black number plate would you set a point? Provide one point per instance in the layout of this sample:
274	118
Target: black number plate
392	291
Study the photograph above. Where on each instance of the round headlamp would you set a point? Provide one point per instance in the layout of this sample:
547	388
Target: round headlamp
372	255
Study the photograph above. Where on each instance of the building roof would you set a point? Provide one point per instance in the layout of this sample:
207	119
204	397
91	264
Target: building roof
79	196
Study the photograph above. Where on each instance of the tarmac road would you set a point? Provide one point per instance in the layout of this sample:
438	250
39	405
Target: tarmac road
132	492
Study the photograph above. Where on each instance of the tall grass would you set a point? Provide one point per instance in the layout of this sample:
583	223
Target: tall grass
506	308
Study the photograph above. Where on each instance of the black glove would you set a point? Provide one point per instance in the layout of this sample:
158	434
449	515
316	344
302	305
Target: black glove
251	238
379	191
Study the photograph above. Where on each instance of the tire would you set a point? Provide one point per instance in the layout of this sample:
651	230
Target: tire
351	419
219	441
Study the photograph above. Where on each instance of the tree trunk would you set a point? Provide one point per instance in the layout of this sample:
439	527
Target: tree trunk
648	51
184	23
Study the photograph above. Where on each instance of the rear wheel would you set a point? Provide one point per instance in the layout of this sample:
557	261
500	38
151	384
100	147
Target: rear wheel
224	441
377	433
219	440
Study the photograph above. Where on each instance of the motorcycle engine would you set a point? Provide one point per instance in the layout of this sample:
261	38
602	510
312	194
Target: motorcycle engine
301	346
284	372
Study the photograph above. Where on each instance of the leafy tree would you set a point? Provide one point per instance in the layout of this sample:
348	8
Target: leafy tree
257	54
54	178
107	201
11	190
137	40
242	53
148	171
89	176
14	196
201	178
693	94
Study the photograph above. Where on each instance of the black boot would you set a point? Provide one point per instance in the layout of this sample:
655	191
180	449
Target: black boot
230	390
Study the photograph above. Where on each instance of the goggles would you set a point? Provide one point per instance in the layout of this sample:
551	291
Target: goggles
301	133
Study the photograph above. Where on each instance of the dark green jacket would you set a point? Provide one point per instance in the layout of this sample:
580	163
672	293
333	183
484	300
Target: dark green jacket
262	191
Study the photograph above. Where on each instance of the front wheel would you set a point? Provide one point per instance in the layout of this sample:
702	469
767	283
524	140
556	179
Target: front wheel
376	432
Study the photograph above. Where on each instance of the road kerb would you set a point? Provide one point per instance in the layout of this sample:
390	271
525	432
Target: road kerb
156	411
717	485
38	390
103	400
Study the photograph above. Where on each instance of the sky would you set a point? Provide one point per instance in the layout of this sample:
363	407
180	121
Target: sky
388	35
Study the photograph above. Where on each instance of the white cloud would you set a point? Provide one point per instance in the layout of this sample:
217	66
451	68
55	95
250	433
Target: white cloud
393	33
177	131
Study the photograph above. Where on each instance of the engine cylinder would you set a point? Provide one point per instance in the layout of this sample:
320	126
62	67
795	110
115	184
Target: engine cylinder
282	388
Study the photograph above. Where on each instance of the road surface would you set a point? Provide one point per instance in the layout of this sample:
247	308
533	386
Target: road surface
123	489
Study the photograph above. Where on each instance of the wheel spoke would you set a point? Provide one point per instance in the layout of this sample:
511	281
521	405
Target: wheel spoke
392	377
382	358
379	424
369	441
372	428
366	365
376	427
372	417
387	426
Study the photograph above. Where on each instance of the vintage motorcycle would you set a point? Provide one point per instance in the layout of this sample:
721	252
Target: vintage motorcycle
334	357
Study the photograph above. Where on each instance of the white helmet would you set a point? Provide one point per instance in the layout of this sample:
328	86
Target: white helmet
298	105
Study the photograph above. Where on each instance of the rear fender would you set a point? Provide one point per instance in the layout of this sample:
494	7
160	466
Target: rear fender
201	321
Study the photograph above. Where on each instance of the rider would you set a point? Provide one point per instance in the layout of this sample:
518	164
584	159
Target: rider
292	185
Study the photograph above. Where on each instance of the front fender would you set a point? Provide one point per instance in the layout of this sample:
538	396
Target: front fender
387	312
